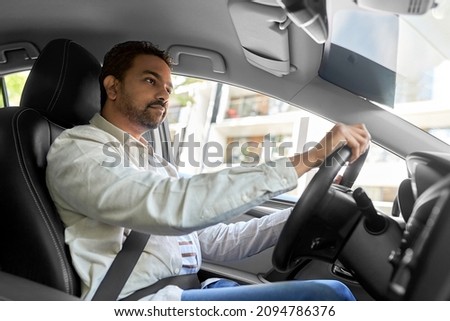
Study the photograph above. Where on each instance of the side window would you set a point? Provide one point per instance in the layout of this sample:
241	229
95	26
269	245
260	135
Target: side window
380	177
215	126
11	86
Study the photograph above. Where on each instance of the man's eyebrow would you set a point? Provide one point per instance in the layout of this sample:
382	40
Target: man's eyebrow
157	76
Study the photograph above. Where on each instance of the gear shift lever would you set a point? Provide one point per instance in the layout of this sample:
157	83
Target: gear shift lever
374	223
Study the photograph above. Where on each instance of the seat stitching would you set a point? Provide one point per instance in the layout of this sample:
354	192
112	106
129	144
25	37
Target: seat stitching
61	79
51	228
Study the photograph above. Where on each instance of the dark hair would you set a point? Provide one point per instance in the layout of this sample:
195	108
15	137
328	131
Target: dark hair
119	59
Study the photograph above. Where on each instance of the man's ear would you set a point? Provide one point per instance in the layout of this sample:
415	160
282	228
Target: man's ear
110	83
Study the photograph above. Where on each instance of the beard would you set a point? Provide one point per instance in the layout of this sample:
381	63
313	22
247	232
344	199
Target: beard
144	116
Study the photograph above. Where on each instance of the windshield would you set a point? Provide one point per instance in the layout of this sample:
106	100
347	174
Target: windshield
401	63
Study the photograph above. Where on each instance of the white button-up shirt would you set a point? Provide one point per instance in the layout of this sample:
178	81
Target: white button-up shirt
105	183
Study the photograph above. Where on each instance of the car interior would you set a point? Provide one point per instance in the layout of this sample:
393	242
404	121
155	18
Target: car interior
299	52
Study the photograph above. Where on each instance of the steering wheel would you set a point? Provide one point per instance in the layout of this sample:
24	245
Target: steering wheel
305	230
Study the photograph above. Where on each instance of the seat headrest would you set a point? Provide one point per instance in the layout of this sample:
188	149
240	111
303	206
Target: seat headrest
63	84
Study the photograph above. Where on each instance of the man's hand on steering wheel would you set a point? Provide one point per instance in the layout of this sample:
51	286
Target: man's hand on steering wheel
356	137
310	230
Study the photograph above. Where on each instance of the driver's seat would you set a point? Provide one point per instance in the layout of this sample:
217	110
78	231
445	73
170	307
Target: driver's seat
62	91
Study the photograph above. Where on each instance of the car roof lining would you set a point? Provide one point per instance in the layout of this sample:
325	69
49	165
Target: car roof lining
151	20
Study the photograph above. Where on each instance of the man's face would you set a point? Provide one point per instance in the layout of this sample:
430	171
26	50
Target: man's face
144	92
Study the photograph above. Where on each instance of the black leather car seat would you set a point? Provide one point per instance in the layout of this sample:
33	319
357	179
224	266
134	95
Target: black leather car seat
62	91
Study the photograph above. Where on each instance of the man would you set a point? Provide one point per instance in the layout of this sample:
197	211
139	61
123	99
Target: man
106	180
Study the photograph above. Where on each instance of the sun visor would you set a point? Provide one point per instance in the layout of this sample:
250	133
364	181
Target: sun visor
264	37
354	59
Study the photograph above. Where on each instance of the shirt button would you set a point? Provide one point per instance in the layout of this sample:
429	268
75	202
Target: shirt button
177	271
284	181
245	198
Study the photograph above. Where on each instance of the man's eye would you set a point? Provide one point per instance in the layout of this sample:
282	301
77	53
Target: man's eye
150	81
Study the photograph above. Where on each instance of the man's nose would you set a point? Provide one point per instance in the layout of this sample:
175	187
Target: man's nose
163	95
163	100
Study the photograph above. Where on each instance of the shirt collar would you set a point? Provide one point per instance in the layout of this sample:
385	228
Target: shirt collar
122	136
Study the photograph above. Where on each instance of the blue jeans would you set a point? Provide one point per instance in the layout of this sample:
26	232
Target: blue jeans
310	290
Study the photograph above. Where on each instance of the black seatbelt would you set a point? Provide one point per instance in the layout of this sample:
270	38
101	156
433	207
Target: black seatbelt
121	268
185	282
124	263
